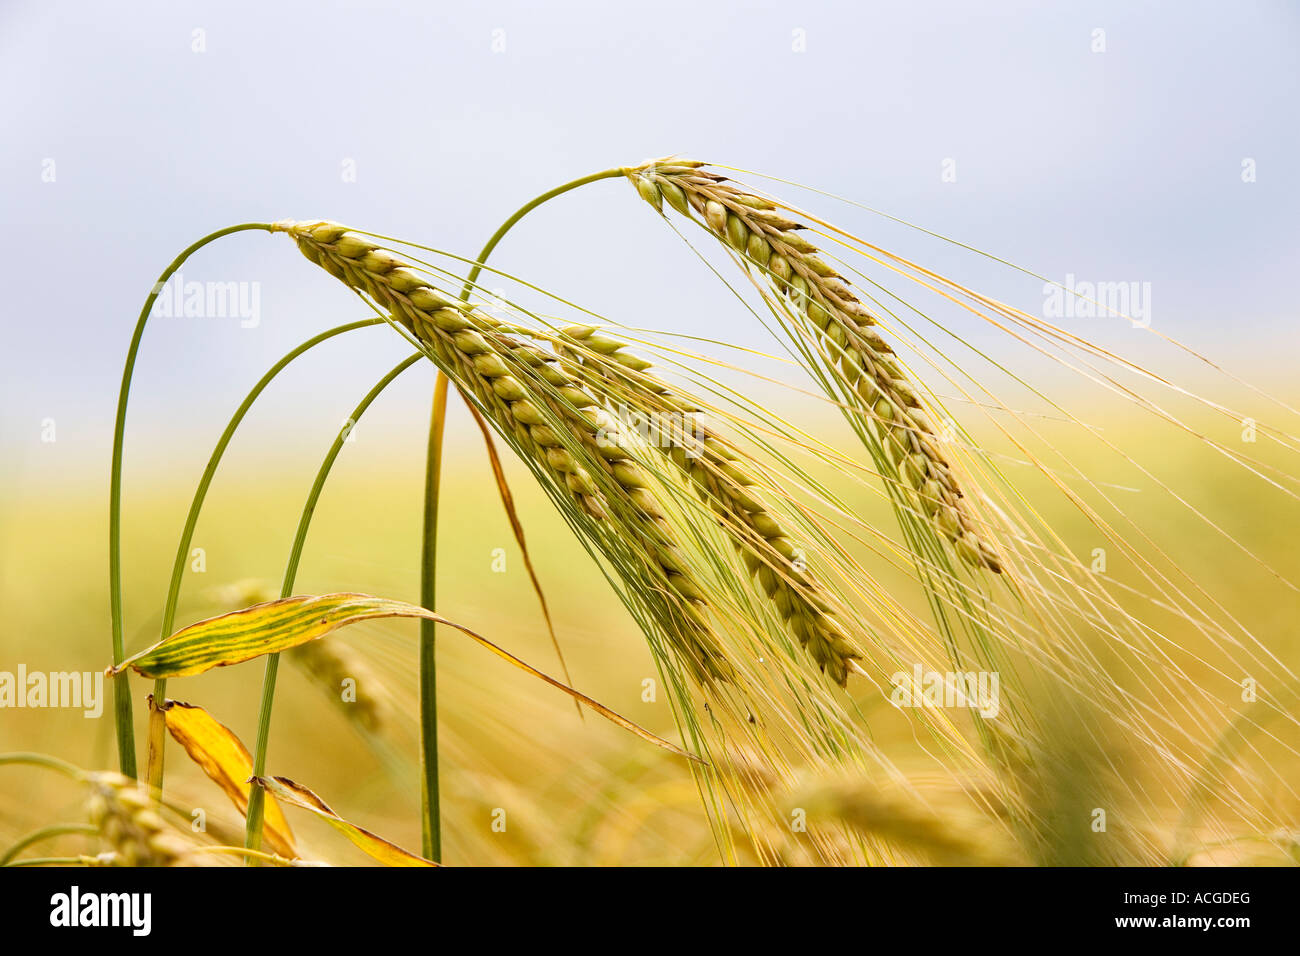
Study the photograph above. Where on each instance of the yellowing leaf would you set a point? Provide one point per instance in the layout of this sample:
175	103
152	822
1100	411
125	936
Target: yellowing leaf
262	629
375	846
279	625
219	753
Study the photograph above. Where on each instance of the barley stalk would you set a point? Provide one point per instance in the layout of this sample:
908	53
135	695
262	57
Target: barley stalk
722	480
555	421
770	244
121	689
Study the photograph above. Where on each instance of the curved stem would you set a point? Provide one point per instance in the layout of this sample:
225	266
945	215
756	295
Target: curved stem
45	833
43	760
247	853
58	861
524	210
256	796
158	718
121	690
431	830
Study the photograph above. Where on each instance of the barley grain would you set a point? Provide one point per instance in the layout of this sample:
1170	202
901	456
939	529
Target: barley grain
128	821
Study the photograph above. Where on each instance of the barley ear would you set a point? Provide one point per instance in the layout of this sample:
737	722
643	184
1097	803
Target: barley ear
548	416
129	822
771	246
723	479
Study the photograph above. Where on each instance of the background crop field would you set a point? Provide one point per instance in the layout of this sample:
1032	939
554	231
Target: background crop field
1160	158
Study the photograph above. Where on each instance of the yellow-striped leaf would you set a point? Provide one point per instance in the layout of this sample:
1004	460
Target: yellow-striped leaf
262	629
220	754
296	795
279	625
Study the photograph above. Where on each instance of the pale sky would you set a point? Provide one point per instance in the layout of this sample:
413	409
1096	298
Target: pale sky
132	129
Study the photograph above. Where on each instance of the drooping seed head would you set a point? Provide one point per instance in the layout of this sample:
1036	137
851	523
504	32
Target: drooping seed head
771	245
724	482
544	410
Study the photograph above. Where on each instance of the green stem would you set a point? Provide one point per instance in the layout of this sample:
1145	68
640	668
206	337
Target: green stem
121	690
45	833
43	760
256	797
158	717
431	830
246	852
524	210
58	861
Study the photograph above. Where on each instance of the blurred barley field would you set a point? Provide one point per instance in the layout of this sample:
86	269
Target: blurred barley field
569	791
991	377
